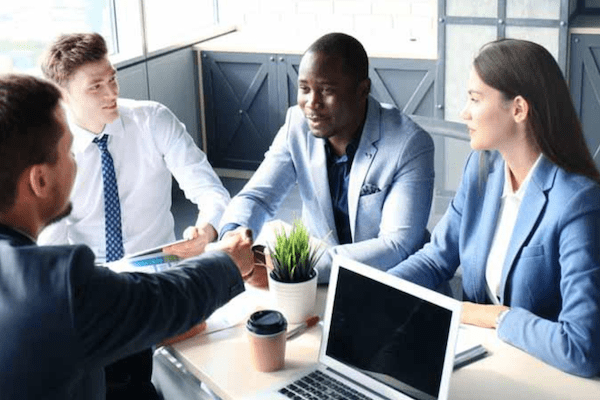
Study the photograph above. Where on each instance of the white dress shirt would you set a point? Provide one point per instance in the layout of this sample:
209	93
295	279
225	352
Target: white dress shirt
509	209
149	145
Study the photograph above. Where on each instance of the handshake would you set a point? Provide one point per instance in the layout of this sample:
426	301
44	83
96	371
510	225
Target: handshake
251	260
237	243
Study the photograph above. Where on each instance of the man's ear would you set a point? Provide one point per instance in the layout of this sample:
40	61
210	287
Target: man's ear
520	109
364	88
38	180
64	92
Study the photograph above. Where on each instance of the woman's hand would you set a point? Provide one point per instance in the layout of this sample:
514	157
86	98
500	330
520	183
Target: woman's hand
483	315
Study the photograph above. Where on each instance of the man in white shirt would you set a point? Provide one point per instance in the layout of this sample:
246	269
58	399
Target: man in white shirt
148	146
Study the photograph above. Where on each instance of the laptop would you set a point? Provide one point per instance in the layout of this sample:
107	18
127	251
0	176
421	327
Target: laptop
383	338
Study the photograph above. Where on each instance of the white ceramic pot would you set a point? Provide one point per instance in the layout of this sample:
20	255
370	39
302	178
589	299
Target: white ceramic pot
295	300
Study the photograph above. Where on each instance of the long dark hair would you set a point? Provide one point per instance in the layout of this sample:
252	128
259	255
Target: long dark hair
523	68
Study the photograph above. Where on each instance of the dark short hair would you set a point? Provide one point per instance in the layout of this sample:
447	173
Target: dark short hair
354	57
69	52
522	68
29	130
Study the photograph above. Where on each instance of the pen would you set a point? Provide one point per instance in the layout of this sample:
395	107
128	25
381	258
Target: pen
302	327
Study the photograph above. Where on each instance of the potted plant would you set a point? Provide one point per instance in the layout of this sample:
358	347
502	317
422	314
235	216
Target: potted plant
293	279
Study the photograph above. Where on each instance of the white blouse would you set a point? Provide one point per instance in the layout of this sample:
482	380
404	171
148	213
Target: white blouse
509	209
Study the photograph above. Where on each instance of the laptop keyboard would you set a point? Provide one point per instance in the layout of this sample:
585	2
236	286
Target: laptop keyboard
318	386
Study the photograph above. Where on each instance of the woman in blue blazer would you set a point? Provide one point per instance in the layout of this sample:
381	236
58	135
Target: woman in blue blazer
525	222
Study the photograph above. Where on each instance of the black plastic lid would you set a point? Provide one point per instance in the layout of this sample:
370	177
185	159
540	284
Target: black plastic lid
266	322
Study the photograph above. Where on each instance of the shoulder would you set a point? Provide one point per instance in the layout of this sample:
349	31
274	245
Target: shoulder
138	108
295	128
295	118
482	169
574	191
56	262
80	256
396	125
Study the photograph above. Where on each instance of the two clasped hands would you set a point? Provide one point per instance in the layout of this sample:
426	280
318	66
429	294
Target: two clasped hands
238	243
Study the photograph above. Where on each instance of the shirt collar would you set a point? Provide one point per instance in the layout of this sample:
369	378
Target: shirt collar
350	149
521	191
22	236
82	138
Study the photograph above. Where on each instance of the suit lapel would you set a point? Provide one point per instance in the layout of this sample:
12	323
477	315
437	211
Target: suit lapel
318	172
530	211
488	218
363	159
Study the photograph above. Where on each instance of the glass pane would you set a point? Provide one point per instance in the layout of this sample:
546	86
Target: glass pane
544	9
28	26
129	28
176	21
470	8
547	37
462	44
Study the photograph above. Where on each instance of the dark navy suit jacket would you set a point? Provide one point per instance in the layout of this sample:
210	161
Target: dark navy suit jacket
62	319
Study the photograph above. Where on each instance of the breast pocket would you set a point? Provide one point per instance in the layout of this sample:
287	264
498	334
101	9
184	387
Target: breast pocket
531	276
532	251
372	201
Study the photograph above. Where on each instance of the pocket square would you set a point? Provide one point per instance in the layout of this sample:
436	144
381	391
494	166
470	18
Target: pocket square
369	189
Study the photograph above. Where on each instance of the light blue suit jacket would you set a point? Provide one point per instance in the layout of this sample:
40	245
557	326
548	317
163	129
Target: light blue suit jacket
389	193
551	275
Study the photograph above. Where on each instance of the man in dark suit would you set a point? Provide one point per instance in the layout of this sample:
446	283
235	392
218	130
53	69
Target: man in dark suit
62	318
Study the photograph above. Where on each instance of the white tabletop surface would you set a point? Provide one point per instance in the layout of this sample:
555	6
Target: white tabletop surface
221	360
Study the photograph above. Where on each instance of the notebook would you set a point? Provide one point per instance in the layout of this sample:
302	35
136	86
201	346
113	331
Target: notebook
383	338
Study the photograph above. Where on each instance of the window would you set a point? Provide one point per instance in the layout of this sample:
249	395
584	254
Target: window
28	26
175	22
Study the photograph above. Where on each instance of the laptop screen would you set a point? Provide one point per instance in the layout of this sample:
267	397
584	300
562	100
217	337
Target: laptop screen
390	335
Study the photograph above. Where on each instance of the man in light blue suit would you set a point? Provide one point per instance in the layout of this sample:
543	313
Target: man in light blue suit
525	222
364	170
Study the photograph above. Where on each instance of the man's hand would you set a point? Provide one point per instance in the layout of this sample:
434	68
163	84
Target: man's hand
197	239
196	329
482	315
238	244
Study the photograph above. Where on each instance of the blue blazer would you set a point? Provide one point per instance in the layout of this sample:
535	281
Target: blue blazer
62	319
551	275
389	193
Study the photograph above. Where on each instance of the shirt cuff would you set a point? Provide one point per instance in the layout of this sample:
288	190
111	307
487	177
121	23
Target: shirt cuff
228	227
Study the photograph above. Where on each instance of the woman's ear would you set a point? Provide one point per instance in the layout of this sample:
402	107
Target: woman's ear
520	109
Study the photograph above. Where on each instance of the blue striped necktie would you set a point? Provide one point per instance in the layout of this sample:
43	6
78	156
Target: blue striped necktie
112	207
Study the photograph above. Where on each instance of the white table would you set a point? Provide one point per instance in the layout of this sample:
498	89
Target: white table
221	360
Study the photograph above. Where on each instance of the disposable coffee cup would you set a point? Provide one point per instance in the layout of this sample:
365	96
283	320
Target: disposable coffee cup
267	336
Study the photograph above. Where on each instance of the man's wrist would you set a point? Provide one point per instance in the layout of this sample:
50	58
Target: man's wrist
228	227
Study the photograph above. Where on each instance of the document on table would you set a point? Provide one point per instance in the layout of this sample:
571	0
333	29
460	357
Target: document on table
237	311
150	260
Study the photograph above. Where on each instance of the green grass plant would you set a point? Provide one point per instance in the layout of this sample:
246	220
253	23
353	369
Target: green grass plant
294	258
